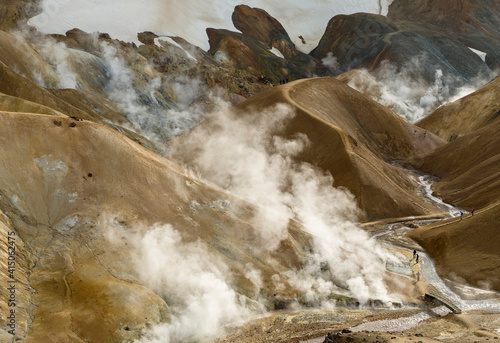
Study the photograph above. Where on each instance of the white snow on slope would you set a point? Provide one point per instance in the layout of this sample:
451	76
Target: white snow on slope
481	54
277	52
123	19
174	43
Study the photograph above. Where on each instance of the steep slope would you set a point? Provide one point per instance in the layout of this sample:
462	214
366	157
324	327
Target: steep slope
244	52
467	248
14	104
82	198
20	94
251	50
366	40
469	177
474	23
468	168
465	115
156	91
21	57
15	13
351	137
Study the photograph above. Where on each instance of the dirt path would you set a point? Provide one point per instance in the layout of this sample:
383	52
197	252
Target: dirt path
457	219
345	137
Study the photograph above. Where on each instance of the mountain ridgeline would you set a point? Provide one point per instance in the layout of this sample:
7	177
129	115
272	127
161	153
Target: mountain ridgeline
160	192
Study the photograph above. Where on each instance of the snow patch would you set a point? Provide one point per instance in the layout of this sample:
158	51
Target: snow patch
174	43
481	54
188	19
277	52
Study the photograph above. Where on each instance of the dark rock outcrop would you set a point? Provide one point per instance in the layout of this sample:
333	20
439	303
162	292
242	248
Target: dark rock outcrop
250	50
147	37
365	40
258	24
474	23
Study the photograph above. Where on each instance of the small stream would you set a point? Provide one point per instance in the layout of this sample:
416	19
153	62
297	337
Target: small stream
424	189
395	233
395	236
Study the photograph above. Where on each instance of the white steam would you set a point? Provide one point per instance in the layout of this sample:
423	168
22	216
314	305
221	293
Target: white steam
407	96
244	154
56	70
154	117
194	283
58	55
331	63
121	88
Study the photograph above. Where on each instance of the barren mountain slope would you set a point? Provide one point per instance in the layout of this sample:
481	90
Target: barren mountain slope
474	23
468	168
351	137
469	172
466	115
82	197
466	248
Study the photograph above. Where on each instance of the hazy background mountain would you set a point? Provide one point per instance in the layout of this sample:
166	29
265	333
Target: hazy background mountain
171	168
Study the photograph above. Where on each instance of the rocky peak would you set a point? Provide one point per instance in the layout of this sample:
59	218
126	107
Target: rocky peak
258	24
147	37
475	23
15	13
364	40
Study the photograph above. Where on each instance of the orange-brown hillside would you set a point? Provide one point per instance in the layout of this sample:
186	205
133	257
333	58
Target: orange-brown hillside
67	186
465	115
466	248
352	137
469	177
468	168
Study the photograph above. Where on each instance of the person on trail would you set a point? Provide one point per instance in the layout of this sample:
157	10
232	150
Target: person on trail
414	253
461	215
418	276
417	259
472	211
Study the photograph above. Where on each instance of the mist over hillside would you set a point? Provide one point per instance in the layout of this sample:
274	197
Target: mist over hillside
249	172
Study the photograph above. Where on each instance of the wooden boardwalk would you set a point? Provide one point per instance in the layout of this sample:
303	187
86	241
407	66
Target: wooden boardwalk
432	292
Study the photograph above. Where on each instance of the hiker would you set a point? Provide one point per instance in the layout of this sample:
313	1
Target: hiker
472	211
414	253
417	259
418	276
461	215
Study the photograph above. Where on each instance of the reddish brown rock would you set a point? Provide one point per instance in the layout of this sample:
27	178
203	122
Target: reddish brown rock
259	24
147	37
238	54
15	13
